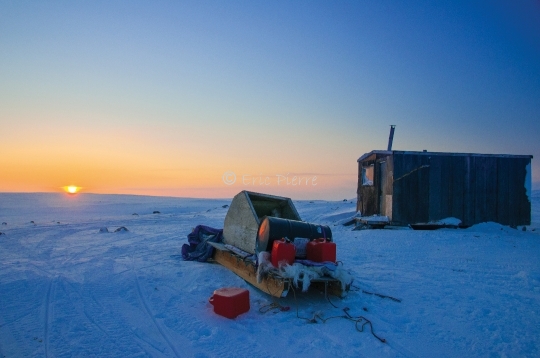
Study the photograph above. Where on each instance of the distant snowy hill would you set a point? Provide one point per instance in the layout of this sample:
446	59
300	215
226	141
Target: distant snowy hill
68	288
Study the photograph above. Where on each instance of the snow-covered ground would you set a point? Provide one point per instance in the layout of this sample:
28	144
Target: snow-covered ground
66	289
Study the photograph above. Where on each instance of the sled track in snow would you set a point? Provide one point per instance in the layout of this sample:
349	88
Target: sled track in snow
107	329
47	317
149	313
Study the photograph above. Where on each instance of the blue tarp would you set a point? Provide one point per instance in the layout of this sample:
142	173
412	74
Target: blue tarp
198	248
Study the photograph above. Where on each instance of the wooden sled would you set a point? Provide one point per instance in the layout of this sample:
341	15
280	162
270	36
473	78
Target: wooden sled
273	283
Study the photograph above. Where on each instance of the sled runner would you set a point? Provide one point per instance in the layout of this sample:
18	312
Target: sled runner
272	283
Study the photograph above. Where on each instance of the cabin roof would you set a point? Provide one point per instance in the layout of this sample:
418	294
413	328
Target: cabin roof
386	152
381	152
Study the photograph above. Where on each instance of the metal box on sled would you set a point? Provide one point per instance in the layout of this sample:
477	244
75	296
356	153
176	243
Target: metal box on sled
245	213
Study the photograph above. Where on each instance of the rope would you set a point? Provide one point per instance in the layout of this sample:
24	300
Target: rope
376	294
274	306
357	321
328	299
382	296
310	320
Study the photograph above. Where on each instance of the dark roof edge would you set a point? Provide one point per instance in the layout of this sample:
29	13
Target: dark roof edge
387	152
463	154
363	157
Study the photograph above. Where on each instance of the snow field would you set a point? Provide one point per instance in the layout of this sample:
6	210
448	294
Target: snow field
68	290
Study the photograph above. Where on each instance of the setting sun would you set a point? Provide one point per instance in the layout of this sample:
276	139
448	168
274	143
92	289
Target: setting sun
72	189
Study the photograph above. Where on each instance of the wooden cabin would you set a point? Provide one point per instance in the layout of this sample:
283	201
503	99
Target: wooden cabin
423	187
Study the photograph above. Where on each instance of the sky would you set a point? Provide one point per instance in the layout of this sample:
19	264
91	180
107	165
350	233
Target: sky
208	98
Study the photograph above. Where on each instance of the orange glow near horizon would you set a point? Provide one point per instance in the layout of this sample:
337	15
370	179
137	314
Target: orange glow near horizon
136	164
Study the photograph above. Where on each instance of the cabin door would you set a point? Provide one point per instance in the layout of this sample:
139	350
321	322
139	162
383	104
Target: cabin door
385	200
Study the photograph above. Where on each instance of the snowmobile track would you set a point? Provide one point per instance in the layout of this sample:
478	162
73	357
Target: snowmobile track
48	314
149	313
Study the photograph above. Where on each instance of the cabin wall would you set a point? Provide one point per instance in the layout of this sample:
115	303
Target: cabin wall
473	188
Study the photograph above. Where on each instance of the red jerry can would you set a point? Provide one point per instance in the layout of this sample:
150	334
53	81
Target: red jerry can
230	302
282	252
320	250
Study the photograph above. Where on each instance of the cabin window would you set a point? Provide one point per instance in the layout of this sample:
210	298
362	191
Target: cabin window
367	175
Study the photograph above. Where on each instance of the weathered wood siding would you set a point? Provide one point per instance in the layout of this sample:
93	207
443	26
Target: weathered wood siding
386	173
473	188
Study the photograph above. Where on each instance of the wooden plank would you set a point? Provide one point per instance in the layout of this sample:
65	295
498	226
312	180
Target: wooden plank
424	171
446	194
382	187
438	188
376	188
401	191
410	180
513	187
388	189
359	189
369	204
404	185
485	183
397	199
457	187
468	197
491	189
503	191
398	165
479	190
274	286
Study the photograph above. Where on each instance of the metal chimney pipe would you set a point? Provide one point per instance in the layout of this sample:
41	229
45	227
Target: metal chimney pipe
391	137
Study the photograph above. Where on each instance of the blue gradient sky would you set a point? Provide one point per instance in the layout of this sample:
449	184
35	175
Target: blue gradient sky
162	98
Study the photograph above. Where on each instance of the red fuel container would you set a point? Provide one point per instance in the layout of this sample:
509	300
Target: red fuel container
320	250
282	252
230	302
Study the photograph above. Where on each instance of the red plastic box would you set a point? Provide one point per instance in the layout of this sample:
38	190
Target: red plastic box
282	253
321	250
230	302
